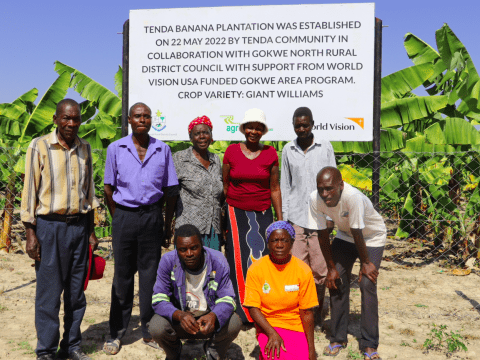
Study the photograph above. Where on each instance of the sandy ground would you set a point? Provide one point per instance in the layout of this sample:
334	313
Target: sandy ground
411	300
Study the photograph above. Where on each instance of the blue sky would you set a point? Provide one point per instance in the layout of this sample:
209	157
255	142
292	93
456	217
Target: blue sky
83	34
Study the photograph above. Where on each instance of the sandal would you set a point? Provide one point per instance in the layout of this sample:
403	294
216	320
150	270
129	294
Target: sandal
372	356
152	343
112	347
333	350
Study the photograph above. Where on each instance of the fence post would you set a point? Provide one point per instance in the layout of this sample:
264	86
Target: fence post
377	98
126	30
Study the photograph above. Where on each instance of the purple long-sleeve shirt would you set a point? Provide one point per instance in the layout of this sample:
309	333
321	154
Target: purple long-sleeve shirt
139	183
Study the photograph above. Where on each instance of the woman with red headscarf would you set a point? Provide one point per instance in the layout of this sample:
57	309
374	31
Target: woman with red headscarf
200	190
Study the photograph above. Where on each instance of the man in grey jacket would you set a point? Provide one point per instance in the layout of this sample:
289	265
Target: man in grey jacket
193	298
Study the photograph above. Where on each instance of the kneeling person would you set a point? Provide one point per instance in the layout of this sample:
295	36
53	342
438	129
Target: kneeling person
193	298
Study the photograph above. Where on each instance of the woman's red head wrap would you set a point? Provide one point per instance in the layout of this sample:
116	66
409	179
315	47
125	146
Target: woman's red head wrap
200	120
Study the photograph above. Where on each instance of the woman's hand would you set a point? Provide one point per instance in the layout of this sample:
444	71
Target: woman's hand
275	342
275	192
307	316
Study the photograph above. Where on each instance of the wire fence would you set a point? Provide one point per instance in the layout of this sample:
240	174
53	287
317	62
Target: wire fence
430	203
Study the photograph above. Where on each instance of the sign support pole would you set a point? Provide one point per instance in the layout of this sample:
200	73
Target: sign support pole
126	30
377	98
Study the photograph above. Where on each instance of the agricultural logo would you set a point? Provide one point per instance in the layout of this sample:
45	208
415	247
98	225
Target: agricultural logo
158	121
266	288
232	127
358	121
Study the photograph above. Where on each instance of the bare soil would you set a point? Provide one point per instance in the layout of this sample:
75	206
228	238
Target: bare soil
411	300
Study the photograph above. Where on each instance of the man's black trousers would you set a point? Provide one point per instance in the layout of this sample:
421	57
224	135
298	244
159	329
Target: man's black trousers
344	255
137	236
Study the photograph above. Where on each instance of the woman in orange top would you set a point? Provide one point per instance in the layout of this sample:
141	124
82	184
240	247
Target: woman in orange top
280	294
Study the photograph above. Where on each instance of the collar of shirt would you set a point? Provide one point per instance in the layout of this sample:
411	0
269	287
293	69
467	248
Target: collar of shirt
194	160
53	140
127	142
294	145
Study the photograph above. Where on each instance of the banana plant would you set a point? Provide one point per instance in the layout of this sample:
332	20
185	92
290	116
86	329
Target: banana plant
20	122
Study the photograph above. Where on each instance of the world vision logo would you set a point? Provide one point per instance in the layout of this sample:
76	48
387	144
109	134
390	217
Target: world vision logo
158	121
232	126
358	121
341	126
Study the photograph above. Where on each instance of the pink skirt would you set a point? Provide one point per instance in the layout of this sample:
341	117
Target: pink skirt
295	343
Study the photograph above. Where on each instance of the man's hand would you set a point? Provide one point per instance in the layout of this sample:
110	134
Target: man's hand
275	342
330	226
188	323
370	271
332	275
33	246
93	241
206	323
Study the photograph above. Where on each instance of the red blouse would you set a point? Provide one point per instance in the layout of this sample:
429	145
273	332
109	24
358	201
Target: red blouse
249	186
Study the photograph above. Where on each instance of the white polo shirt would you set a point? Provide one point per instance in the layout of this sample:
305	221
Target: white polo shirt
353	211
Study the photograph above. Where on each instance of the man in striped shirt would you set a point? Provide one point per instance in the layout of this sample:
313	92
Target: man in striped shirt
58	203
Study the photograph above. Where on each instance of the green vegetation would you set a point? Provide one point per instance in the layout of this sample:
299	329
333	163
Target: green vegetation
26	347
430	163
352	354
440	339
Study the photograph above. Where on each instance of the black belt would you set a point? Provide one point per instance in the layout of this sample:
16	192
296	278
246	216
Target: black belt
68	219
145	208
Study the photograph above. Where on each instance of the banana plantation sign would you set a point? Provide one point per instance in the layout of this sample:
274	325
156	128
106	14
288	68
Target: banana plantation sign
222	61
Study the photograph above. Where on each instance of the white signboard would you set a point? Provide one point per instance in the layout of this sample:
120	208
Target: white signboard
222	61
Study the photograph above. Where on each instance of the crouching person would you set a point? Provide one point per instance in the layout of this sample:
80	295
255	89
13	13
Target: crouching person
193	298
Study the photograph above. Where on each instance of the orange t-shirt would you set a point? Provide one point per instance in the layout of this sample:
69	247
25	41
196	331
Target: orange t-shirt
280	291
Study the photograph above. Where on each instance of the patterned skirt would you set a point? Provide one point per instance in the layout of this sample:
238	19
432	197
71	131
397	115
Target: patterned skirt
245	243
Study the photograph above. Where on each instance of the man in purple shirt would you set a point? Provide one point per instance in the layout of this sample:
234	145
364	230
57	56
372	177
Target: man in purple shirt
138	171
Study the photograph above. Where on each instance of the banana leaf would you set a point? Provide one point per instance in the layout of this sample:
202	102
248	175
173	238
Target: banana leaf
419	144
400	83
118	81
399	112
42	116
419	51
26	100
355	178
105	100
13	112
450	49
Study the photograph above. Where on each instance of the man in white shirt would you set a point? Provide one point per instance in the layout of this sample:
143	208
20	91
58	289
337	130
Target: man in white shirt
361	234
302	159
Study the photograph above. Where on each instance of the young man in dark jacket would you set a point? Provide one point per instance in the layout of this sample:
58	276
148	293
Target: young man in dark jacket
193	298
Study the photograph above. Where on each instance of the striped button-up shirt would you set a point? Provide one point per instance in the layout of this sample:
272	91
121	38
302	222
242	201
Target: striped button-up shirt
57	180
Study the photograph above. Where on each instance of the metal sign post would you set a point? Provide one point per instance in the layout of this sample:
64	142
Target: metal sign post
126	30
377	98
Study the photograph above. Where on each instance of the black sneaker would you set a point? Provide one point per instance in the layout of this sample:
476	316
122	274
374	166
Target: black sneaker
46	357
78	355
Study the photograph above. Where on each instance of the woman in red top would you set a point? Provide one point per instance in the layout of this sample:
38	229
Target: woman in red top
251	186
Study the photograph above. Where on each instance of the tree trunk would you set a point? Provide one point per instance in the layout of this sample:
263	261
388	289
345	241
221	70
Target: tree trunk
5	239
